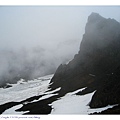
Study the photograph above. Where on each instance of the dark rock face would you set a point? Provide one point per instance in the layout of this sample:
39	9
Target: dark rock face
40	107
97	64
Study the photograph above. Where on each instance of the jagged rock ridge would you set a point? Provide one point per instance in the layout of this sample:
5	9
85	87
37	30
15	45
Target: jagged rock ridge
97	64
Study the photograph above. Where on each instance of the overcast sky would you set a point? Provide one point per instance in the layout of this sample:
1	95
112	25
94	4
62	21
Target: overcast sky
46	26
35	40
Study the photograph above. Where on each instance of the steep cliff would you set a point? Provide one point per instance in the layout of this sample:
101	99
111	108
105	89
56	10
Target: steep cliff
97	64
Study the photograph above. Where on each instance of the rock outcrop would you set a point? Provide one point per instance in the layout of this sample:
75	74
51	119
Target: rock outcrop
97	64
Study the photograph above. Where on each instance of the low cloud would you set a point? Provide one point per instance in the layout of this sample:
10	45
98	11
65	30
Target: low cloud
34	62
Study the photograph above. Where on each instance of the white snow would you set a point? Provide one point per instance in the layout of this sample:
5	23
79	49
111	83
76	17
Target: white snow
68	104
12	110
75	104
53	91
44	97
101	109
23	90
47	95
79	90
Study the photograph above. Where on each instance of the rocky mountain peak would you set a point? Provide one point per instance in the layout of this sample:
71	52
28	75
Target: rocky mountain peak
99	33
94	17
97	64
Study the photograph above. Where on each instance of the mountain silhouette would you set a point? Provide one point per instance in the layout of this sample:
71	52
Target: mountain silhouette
97	64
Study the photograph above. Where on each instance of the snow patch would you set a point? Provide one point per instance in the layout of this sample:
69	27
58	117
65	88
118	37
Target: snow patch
71	104
43	97
25	90
100	109
12	110
47	95
75	104
53	91
80	90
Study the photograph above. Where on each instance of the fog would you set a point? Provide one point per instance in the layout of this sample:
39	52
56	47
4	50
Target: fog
35	40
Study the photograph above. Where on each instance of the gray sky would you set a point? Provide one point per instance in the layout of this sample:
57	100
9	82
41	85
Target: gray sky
34	41
46	26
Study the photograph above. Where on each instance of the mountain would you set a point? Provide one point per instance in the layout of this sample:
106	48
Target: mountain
88	84
96	66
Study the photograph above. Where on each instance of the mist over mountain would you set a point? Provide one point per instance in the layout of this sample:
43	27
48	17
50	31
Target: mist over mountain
35	40
33	62
87	84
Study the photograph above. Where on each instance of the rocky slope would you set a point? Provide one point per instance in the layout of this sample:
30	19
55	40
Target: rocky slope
91	79
97	64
